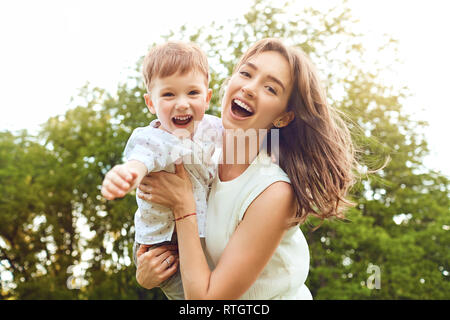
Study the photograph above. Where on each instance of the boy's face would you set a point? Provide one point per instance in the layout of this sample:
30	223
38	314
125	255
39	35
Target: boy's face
179	100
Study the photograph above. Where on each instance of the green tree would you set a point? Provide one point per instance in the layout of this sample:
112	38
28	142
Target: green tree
38	239
400	223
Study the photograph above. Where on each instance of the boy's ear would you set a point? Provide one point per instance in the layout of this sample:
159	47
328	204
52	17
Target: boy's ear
208	98
149	103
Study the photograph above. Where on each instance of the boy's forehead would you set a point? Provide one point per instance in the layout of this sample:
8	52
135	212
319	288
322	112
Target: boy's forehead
194	75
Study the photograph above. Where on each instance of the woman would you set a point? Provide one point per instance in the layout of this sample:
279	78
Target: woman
253	243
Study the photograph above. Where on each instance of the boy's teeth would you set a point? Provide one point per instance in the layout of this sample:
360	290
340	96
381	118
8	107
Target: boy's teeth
243	105
182	118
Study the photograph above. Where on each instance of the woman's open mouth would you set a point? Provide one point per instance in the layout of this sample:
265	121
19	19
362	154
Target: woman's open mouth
181	121
240	109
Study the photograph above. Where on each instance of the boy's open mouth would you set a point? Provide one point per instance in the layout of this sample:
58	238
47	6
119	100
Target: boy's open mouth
182	120
240	108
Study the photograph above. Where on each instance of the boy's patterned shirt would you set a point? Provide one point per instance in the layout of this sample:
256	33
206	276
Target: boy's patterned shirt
159	150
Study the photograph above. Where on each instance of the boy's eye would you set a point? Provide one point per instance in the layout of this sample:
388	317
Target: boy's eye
194	92
167	94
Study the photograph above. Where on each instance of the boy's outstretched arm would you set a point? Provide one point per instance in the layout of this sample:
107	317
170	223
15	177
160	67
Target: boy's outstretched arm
123	178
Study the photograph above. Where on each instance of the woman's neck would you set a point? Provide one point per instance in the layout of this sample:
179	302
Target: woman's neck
239	151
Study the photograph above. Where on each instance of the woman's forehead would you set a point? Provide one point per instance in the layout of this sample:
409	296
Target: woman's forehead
271	63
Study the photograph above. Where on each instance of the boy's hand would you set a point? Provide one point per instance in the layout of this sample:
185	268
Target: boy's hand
118	182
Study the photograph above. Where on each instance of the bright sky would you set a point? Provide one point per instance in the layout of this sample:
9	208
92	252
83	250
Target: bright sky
49	49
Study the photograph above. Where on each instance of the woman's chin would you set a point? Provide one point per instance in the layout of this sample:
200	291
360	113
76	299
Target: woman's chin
230	124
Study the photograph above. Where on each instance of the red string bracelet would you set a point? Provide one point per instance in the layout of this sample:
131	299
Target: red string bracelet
190	214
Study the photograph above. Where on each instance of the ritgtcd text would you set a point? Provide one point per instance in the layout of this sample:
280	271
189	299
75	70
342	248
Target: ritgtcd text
248	309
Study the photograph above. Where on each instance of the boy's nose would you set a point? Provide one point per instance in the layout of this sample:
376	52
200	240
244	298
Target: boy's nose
182	104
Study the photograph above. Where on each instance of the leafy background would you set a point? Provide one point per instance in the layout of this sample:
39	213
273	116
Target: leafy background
59	239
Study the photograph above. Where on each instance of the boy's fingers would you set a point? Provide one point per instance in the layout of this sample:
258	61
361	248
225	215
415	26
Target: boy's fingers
123	172
118	181
133	174
112	189
107	195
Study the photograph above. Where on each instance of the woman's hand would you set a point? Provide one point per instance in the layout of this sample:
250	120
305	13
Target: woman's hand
156	265
172	190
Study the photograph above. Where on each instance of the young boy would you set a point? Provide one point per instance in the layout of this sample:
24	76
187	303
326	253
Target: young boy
176	78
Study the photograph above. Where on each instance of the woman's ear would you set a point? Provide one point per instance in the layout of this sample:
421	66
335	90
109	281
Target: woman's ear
284	119
149	103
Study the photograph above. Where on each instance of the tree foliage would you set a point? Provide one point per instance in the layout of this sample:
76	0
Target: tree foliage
59	239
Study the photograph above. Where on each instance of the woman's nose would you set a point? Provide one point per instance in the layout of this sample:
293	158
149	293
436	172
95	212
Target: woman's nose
248	91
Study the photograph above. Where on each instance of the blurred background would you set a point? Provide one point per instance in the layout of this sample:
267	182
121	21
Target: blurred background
71	94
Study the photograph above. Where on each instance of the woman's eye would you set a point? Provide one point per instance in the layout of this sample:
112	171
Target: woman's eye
272	90
245	73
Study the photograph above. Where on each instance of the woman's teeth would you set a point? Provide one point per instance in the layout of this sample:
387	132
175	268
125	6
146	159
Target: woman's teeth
243	105
240	108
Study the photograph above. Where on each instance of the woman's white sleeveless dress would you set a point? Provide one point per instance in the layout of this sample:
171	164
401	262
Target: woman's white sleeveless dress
285	274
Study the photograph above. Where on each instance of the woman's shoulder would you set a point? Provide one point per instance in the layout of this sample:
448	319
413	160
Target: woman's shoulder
281	189
264	173
266	167
279	192
267	183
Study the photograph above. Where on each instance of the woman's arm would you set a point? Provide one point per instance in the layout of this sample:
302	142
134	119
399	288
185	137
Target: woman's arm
249	249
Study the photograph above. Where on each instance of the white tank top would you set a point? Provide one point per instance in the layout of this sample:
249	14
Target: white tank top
285	273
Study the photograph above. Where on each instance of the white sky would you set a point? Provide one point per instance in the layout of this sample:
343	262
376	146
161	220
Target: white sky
49	49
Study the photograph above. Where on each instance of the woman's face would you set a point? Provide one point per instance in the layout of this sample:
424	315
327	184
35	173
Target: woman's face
257	93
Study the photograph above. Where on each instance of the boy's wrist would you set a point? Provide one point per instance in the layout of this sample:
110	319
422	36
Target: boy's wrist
138	168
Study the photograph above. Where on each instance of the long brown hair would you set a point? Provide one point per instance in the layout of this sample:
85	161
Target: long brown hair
316	149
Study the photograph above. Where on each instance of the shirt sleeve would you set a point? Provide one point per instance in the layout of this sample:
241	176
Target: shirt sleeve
155	148
210	130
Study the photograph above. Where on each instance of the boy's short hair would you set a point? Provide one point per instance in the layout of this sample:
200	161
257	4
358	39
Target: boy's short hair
172	57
